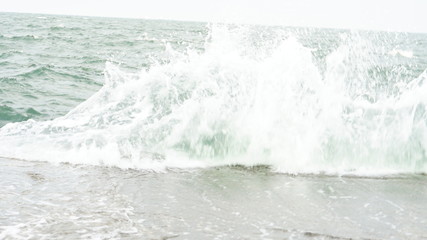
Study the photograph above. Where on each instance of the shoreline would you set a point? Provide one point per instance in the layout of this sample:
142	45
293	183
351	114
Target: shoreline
69	201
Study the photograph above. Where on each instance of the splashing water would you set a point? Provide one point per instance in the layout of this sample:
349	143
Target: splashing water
251	97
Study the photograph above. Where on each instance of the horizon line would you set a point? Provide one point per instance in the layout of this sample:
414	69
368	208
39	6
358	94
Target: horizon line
216	22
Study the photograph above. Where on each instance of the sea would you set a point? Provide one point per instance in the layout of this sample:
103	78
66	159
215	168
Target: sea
114	128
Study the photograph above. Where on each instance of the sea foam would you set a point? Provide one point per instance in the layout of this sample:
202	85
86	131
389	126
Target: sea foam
247	102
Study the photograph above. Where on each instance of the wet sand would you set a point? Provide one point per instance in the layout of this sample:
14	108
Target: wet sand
44	201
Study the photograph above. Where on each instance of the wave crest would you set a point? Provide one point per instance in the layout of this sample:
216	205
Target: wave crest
244	101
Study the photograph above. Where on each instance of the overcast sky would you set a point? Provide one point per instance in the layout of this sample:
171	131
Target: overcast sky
392	15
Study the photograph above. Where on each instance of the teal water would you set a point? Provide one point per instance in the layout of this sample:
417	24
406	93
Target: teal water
151	94
50	64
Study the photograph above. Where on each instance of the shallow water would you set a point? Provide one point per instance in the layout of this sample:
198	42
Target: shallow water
44	201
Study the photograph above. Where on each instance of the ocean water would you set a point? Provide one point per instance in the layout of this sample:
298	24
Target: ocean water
150	129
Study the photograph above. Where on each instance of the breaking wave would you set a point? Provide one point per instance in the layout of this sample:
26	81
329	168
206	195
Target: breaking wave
245	101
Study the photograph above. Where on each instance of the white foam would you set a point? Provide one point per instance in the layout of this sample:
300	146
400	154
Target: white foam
240	103
403	53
